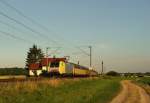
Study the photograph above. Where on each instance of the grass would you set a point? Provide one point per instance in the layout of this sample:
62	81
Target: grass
145	83
144	80
90	90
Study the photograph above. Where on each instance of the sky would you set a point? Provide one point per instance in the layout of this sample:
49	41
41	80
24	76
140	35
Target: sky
117	30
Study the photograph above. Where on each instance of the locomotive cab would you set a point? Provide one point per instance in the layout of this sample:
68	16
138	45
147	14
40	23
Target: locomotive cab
54	67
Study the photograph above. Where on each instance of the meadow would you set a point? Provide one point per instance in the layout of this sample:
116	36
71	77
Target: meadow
87	90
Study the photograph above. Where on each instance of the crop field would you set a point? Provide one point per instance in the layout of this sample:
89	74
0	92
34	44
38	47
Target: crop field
86	90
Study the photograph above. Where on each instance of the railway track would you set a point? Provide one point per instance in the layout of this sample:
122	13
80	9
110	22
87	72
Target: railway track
18	78
22	78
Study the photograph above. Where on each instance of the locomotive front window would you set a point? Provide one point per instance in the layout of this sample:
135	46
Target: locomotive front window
54	64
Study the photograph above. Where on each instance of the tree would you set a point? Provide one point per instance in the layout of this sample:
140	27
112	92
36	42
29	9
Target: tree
35	55
112	73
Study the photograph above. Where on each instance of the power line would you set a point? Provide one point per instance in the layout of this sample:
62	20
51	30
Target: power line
28	18
15	37
23	15
31	20
83	51
18	22
25	26
38	24
11	26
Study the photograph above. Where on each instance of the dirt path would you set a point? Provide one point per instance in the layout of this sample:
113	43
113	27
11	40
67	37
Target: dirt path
131	93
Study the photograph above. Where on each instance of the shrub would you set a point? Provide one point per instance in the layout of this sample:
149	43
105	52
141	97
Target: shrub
112	73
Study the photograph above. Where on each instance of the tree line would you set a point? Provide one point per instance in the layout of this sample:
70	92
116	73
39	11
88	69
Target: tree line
34	55
13	71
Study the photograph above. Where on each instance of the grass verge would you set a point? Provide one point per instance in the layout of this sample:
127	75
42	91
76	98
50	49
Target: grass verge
144	82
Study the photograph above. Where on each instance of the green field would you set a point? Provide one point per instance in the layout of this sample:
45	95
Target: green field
90	90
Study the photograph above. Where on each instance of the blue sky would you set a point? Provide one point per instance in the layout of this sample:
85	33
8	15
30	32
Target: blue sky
118	31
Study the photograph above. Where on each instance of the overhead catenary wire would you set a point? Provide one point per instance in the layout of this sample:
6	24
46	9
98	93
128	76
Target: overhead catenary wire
83	51
32	20
38	24
17	29
23	15
28	18
15	37
27	27
11	26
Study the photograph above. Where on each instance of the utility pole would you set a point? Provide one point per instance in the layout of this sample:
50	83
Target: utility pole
47	58
78	62
90	56
102	67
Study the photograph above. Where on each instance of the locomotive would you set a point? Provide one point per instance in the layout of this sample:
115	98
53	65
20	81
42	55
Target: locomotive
60	66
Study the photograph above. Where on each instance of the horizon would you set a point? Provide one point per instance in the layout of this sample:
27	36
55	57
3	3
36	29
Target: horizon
118	32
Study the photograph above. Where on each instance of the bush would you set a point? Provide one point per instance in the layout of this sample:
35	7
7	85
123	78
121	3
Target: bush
112	73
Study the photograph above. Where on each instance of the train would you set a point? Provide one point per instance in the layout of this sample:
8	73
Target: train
60	66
